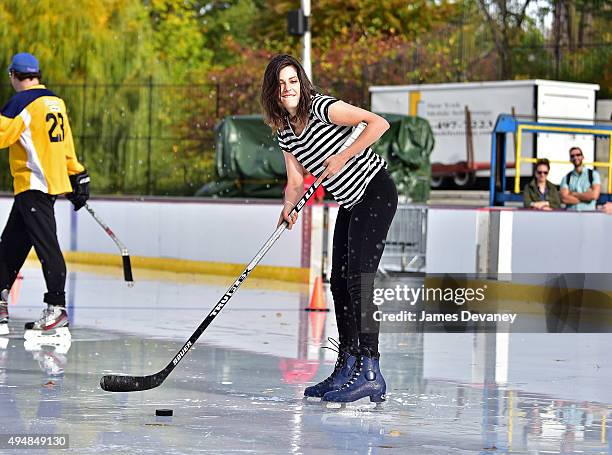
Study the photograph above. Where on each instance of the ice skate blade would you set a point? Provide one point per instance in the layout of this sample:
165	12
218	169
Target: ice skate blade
62	332
313	401
4	329
359	406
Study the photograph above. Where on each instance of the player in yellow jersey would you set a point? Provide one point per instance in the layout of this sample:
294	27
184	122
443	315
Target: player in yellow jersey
34	125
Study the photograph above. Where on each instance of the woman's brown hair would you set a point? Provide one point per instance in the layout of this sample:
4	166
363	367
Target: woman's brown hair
274	113
543	161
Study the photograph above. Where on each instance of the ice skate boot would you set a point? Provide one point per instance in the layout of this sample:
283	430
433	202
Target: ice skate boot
341	374
52	323
366	381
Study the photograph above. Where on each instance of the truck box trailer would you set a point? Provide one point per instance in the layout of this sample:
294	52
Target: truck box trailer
462	116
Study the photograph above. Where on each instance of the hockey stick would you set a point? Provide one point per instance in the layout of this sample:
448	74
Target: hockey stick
121	383
125	255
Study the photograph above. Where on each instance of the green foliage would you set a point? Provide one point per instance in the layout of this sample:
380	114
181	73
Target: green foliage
145	81
101	40
105	59
97	41
180	46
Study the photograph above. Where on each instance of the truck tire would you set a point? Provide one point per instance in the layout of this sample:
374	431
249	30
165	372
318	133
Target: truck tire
464	179
436	182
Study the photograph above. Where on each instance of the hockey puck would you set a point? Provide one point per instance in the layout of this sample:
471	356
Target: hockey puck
163	412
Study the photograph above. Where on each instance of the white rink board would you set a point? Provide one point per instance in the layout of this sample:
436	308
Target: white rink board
199	230
541	242
451	240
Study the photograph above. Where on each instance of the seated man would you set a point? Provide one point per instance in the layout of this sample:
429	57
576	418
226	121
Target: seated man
580	188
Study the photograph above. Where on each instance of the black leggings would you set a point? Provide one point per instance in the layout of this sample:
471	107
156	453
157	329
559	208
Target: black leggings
32	224
358	246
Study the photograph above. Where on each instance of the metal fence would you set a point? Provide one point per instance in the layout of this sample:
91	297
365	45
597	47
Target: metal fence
145	138
406	242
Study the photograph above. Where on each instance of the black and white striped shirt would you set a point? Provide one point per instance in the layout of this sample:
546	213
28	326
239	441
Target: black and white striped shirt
321	139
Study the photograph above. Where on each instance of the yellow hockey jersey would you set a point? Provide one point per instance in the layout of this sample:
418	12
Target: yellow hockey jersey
34	125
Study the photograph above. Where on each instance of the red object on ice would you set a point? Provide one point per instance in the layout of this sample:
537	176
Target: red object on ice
298	371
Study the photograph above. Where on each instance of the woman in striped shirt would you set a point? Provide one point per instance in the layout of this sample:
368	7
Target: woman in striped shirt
311	129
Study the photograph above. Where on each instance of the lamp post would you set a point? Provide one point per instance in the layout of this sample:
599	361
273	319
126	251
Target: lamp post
306	61
298	24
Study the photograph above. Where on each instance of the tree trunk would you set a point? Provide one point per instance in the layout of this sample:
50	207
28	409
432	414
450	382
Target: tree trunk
557	19
585	16
506	64
570	6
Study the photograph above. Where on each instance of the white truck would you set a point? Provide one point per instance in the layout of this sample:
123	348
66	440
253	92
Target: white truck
462	116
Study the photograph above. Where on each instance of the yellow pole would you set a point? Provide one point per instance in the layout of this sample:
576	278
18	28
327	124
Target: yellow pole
413	102
517	174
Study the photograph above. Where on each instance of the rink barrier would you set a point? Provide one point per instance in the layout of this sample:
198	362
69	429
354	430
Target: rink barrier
268	272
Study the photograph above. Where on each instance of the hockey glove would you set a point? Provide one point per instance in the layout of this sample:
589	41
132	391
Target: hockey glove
80	190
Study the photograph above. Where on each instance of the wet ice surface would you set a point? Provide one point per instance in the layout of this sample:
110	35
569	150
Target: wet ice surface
239	389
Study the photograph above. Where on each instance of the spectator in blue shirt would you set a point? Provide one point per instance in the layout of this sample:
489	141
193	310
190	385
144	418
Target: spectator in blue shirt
580	188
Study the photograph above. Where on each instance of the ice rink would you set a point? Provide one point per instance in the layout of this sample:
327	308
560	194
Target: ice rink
239	390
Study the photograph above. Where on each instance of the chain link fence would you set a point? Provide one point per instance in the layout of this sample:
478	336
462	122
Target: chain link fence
146	138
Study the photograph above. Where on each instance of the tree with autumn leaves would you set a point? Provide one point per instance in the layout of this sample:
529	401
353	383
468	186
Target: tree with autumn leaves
147	80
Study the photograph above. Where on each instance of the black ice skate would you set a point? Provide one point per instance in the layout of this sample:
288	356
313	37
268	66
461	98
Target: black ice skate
341	374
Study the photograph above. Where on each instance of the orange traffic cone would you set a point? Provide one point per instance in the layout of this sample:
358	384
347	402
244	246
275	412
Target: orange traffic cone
16	289
317	299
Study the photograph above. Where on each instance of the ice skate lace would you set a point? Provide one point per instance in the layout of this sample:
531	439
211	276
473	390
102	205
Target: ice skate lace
356	374
46	314
341	354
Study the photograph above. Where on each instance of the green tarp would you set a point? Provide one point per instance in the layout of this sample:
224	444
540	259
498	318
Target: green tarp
250	164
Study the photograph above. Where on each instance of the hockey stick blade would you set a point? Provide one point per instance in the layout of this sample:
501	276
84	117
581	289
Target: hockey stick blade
119	383
127	268
124	383
125	255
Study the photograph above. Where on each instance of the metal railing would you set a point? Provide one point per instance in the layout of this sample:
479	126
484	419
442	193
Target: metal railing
406	241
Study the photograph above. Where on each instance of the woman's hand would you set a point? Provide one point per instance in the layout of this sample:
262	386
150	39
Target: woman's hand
541	205
333	165
284	216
